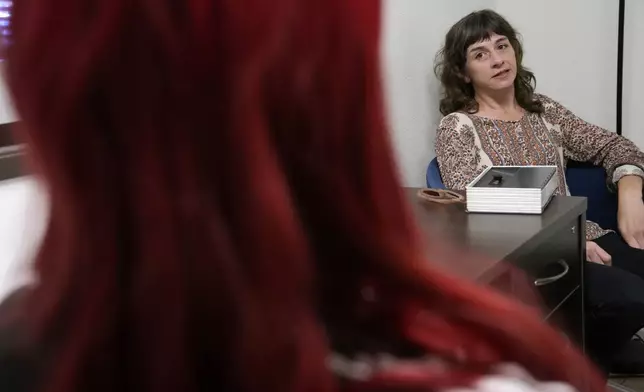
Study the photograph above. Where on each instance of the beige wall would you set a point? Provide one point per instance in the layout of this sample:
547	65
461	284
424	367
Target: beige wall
633	126
23	213
7	113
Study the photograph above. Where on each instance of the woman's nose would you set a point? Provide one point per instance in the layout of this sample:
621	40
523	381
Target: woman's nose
497	60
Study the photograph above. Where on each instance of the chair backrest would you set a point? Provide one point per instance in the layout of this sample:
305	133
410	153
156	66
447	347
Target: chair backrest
590	181
434	179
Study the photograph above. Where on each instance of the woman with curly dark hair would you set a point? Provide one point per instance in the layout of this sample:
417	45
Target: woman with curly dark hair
459	91
494	117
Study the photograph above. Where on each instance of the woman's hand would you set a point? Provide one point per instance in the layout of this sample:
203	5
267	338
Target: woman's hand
630	218
595	254
630	215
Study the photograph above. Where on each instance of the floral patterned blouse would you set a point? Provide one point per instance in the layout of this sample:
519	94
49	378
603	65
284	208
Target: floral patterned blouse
466	144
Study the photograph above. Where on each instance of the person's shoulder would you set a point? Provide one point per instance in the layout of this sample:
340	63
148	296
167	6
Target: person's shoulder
512	384
513	378
548	103
454	122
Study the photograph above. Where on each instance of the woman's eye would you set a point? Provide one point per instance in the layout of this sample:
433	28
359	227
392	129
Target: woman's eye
503	46
478	56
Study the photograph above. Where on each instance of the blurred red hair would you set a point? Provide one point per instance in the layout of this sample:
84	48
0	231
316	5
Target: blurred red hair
223	191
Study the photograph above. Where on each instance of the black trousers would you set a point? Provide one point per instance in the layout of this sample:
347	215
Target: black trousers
614	300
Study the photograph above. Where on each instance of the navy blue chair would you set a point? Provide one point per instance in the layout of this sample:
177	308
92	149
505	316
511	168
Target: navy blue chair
589	181
434	179
584	180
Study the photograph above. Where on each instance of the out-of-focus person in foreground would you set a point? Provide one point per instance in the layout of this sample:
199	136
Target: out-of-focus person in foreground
226	215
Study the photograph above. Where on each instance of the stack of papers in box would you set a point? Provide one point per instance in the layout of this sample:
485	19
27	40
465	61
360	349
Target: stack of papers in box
512	189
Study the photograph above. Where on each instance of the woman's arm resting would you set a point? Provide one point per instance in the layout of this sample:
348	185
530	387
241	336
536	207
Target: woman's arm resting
631	210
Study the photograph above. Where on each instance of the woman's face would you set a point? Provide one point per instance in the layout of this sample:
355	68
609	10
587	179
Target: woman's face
491	64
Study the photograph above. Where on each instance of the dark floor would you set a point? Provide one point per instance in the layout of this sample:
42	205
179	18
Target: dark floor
634	383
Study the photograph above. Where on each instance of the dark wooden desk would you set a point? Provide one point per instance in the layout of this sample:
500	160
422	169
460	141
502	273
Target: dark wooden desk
549	248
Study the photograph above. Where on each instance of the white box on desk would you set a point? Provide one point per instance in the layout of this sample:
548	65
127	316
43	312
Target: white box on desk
512	189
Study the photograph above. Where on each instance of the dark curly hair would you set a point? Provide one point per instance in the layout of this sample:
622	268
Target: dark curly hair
450	62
